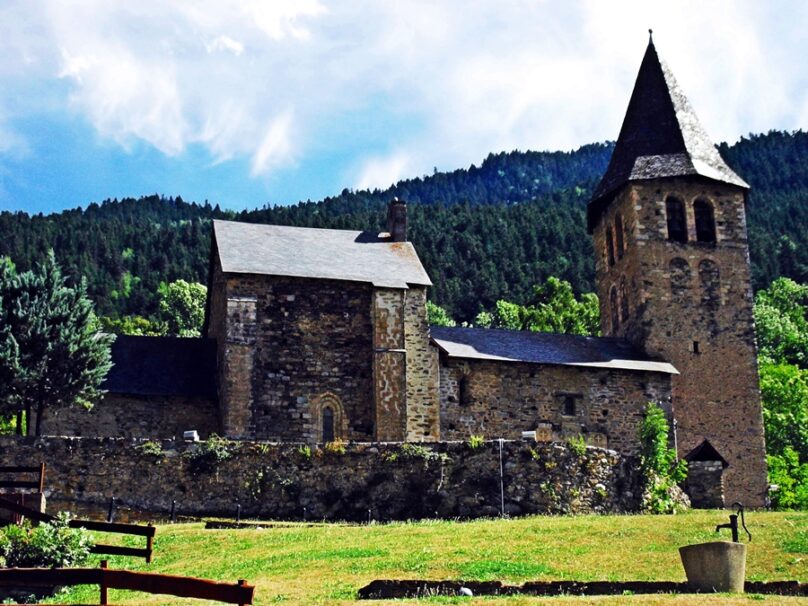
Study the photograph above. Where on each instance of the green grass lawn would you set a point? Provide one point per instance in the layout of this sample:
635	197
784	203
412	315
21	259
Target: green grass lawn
327	564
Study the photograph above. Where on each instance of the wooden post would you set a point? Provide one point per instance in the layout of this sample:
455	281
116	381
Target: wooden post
241	583
149	546
42	478
103	584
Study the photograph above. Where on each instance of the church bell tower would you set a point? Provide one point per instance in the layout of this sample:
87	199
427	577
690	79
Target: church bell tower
672	269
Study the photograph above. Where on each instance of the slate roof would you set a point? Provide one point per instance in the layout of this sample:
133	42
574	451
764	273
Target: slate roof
543	348
163	366
303	252
660	137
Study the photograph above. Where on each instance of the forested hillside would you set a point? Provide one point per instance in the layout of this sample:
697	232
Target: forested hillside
484	233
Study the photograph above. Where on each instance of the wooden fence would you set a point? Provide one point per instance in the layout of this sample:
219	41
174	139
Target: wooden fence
106	579
115	528
38	470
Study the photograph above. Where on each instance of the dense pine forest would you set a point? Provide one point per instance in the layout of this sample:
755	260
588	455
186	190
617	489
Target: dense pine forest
483	233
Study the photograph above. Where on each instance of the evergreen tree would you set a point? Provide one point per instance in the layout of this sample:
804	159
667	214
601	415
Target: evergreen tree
56	355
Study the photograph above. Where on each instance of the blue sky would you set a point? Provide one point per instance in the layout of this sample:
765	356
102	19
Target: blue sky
248	102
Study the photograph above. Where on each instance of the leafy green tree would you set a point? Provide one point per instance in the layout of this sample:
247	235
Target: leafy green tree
182	307
781	320
660	467
58	357
784	389
791	478
133	325
437	316
553	308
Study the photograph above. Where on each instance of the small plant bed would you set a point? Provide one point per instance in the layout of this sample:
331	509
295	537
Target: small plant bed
400	589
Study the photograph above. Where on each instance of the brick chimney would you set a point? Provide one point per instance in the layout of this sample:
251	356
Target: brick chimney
397	220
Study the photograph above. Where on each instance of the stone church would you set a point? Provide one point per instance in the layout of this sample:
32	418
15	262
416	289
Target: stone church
313	335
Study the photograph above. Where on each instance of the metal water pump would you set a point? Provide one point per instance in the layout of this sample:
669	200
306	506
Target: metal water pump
733	524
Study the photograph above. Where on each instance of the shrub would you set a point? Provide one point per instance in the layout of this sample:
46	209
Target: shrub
49	545
476	441
418	451
150	448
208	454
658	464
337	447
577	444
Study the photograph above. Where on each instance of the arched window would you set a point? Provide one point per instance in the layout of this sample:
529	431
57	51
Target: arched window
609	245
623	301
613	309
705	221
328	424
710	278
677	226
328	418
679	270
619	236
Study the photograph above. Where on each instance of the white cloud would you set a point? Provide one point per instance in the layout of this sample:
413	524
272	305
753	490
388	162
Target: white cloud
275	148
383	171
443	83
225	43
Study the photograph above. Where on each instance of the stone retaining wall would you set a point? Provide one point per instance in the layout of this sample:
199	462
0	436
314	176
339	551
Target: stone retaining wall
386	481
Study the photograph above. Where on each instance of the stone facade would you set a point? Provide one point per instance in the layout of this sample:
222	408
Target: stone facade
690	303
130	416
288	345
423	409
502	399
392	481
299	354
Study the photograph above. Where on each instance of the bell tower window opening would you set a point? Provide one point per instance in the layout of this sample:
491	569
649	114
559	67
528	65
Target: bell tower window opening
624	313
613	309
705	221
619	236
609	245
328	424
677	225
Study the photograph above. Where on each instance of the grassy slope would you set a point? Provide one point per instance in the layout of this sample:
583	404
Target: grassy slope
326	564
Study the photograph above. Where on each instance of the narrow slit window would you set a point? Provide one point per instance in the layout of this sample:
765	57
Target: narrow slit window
696	349
609	246
328	424
568	407
619	236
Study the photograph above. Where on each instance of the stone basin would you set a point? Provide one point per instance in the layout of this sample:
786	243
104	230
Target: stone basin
719	566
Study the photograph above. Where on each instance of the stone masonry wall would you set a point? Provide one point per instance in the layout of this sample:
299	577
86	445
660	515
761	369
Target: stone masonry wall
389	364
117	416
313	343
423	406
691	304
503	399
393	481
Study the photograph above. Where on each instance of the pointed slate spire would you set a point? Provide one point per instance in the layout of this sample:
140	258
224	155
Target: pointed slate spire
660	137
